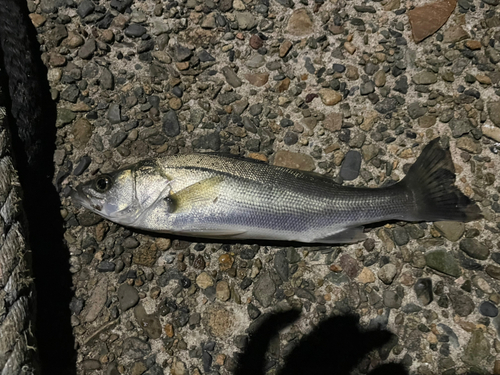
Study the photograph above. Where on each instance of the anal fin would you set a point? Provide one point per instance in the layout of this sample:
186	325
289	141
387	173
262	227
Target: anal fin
351	235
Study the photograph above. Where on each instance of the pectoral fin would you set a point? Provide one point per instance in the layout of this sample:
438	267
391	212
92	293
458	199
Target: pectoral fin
204	192
351	235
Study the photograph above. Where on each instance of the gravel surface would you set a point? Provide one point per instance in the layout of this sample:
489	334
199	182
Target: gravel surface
337	87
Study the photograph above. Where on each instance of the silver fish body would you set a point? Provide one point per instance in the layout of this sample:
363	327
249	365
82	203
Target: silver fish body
209	195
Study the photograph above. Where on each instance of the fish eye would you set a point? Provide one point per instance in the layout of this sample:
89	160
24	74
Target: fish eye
103	184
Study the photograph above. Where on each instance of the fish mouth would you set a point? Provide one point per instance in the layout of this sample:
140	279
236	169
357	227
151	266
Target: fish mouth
79	197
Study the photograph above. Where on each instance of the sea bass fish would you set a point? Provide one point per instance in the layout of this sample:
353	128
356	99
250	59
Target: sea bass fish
215	196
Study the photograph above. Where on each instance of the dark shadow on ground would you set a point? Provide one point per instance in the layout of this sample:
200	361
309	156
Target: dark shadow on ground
32	116
336	346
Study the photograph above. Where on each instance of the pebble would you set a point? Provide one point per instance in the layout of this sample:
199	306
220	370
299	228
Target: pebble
400	235
415	110
82	132
477	349
135	31
350	166
387	273
178	368
114	113
468	144
443	261
231	77
387	105
329	97
462	304
70	93
366	276
451	230
149	322
488	309
294	160
285	48
171	125
264	289
204	280
246	20
424	78
82	165
127	297
423	290
222	291
300	23
379	78
493	271
87	50
391	299
474	248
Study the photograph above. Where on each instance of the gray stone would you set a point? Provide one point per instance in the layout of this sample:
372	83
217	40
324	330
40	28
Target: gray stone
477	349
121	5
290	138
401	85
462	304
256	61
392	299
182	53
127	297
423	290
114	113
364	9
239	106
85	8
255	109
106	80
246	20
87	50
231	77
227	98
117	138
443	261
64	116
459	127
424	78
135	30
96	301
149	322
451	230
82	165
264	289
415	110
488	309
350	166
171	125
281	264
70	93
367	88
387	273
134	348
400	236
387	105
474	248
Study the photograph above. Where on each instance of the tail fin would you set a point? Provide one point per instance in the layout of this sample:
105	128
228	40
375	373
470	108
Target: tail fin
431	180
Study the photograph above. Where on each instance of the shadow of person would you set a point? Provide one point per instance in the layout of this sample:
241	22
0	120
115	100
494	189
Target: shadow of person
336	346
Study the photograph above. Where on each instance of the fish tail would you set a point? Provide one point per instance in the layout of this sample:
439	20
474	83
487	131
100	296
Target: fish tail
431	181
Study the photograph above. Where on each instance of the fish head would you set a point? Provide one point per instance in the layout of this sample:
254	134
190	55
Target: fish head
122	196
